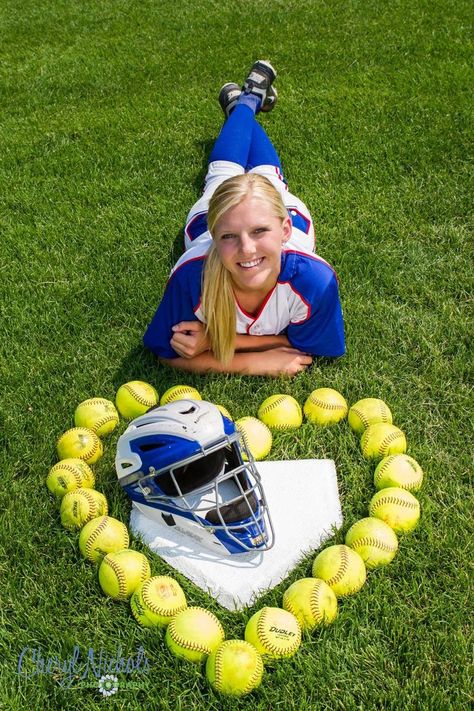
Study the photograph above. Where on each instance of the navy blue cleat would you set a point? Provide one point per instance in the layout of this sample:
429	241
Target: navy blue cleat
229	96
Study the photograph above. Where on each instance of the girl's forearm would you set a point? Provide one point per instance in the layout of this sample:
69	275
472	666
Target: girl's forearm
243	361
259	343
272	362
207	363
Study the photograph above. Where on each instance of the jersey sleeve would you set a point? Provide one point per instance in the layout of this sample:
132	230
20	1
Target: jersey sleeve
322	332
179	303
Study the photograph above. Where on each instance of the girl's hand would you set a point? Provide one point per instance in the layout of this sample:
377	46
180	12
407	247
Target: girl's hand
189	339
279	361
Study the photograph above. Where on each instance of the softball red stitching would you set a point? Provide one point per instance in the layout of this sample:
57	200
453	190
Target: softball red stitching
393	500
383	412
361	416
315	602
389	439
121	580
325	405
140	398
375	543
79	477
190	644
343	567
180	391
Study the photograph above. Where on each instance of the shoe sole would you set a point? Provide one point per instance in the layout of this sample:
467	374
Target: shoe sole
229	95
270	100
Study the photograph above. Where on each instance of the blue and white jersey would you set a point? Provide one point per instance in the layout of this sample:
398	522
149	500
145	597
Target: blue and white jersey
304	304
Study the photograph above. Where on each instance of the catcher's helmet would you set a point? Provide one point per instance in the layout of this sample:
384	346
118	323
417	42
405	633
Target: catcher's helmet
182	465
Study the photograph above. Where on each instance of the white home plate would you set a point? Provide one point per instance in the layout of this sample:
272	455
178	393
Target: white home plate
304	505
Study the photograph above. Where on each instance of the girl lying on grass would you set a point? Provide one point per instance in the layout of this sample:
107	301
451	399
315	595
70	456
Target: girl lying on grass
248	295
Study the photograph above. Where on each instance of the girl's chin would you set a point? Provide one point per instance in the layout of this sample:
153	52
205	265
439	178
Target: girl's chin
258	278
255	282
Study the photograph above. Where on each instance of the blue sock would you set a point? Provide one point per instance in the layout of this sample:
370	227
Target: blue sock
250	100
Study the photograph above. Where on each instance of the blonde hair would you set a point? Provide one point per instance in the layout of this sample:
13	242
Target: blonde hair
218	302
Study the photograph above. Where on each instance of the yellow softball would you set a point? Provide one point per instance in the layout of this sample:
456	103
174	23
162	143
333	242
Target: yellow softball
368	411
193	634
102	535
311	601
157	600
69	474
380	440
256	436
373	540
82	505
120	573
180	392
135	398
80	443
234	668
398	470
397	507
98	414
341	568
280	412
224	411
325	406
274	632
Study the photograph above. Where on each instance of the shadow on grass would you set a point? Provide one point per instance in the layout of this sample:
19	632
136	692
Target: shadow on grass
141	364
177	247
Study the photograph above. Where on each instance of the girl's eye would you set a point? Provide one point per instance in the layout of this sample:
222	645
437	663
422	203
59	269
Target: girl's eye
260	230
227	236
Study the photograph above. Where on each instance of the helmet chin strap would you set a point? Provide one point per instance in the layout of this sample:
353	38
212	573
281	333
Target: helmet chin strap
240	508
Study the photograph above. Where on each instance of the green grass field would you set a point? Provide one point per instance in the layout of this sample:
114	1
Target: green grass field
109	110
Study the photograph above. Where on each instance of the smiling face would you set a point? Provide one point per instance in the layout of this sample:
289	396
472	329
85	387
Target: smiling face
249	239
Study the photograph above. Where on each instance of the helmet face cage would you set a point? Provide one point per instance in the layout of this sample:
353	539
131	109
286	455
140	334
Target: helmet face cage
213	492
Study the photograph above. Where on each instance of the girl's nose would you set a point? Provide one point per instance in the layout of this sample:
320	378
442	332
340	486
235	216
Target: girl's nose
246	243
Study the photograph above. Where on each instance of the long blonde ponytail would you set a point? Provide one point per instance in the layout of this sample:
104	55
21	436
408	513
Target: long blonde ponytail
218	305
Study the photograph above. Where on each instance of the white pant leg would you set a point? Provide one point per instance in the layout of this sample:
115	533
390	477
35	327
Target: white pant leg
196	223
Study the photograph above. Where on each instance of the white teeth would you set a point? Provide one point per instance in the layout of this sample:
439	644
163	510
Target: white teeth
250	264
